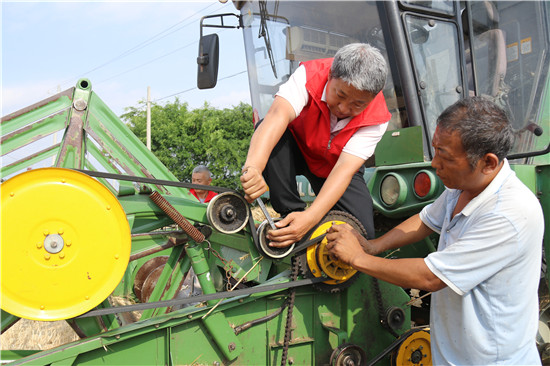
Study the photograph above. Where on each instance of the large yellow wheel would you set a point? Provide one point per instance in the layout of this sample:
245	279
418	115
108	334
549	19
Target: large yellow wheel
65	244
414	350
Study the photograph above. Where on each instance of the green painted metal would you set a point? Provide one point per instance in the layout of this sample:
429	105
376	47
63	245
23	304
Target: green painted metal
401	146
180	338
411	203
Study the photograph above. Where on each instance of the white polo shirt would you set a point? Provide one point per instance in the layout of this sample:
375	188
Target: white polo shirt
489	255
364	140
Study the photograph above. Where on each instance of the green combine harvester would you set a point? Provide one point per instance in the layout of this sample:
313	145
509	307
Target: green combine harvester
90	217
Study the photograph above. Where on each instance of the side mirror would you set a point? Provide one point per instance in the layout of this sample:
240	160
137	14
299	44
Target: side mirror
207	75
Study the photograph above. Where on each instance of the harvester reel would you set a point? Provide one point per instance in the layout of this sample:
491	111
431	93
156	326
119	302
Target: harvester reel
317	262
348	354
414	350
271	252
65	244
228	212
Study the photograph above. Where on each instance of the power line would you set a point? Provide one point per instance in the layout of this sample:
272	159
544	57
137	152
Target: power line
195	88
143	44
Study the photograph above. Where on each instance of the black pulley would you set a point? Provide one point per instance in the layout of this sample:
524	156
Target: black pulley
228	212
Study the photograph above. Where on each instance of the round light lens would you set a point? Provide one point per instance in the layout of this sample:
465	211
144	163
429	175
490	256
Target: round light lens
389	190
422	184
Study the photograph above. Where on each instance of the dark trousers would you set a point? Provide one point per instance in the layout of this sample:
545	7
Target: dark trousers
286	162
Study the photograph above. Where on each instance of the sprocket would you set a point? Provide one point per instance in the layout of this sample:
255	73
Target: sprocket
316	262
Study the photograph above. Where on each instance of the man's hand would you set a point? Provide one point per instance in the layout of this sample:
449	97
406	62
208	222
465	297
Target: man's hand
253	183
345	243
291	229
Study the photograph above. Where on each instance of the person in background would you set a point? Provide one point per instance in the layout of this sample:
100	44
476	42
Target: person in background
486	270
201	175
324	123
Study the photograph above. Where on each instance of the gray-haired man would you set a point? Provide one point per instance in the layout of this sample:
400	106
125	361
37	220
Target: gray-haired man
324	124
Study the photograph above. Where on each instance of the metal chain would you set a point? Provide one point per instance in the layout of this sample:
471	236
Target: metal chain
290	304
228	268
380	304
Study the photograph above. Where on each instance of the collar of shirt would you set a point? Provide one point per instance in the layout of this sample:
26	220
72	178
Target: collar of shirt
335	124
491	189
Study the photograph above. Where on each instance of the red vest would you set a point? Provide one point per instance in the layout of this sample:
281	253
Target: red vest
311	128
208	198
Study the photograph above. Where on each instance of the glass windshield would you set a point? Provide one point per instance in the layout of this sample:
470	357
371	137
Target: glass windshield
279	35
507	59
434	46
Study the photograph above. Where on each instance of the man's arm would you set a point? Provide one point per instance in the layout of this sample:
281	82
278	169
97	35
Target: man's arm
295	225
264	139
406	272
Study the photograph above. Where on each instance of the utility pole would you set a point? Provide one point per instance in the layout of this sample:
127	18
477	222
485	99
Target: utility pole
149	118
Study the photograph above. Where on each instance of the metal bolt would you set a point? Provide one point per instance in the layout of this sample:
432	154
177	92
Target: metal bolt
108	207
38	245
47	256
87	297
216	363
290	361
80	104
189	316
231	346
68	242
63	180
46	232
42	307
53	243
117	256
61	255
12	194
60	231
117	336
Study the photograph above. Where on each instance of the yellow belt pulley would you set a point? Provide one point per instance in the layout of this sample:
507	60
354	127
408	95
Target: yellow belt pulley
65	244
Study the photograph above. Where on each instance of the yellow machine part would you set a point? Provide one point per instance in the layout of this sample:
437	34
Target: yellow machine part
65	244
320	261
414	350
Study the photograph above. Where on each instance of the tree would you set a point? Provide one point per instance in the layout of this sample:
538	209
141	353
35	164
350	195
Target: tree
183	138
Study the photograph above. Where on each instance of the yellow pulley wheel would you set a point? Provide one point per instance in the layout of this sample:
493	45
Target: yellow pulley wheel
414	350
65	244
319	261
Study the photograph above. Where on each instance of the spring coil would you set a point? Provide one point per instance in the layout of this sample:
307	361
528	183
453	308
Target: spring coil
185	225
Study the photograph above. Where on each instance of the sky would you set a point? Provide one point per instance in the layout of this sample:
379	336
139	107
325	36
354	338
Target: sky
122	47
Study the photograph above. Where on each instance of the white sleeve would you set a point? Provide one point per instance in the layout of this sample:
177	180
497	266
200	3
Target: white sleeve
294	90
364	140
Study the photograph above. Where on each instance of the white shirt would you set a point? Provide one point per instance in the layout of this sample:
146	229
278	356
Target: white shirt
489	255
364	140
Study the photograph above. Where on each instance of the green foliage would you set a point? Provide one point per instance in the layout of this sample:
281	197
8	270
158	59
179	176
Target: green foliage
182	138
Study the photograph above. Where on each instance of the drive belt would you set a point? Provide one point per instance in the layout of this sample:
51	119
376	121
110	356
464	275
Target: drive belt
133	178
202	298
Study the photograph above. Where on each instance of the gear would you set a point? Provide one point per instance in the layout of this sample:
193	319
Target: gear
316	262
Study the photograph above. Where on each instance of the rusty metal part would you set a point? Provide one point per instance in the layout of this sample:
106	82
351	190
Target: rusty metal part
172	242
67	93
186	226
145	270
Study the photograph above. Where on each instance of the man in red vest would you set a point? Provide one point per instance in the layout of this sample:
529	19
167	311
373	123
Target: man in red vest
324	124
201	175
